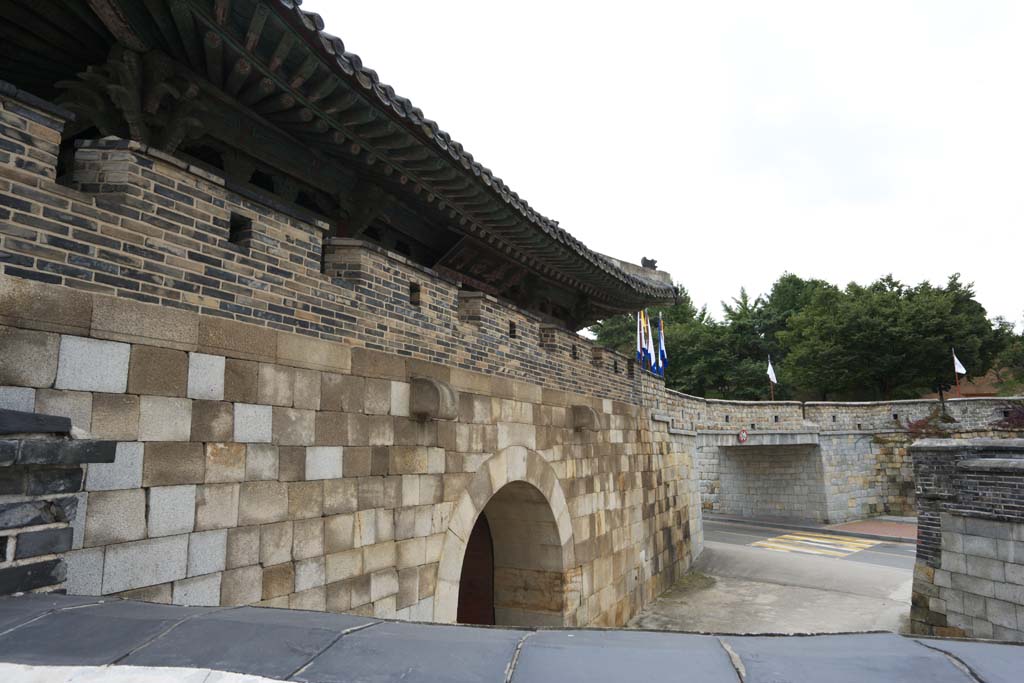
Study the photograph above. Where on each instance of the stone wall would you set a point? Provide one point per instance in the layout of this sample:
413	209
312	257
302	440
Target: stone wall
41	473
783	481
969	576
260	383
859	448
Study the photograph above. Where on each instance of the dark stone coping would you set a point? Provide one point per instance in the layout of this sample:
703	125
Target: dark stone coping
973	446
27	98
55	452
316	647
18	422
1013	466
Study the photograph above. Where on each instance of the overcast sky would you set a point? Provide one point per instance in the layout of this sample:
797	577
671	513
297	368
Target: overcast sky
735	141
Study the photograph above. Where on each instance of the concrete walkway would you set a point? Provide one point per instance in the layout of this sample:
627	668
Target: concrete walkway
47	638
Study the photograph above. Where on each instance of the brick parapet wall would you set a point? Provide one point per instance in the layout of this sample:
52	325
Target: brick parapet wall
969	576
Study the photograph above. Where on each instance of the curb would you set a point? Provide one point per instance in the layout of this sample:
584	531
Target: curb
813	529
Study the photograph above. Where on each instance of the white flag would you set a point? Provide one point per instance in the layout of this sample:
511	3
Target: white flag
958	367
771	371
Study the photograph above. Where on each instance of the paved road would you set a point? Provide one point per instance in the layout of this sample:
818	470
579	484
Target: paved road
756	578
108	641
822	543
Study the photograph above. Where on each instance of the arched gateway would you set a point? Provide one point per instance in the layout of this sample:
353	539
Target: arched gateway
515	504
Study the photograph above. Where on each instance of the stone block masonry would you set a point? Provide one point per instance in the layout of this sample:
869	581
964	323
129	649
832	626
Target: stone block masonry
969	576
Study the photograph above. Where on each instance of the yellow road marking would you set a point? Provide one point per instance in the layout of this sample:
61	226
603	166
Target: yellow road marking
815	544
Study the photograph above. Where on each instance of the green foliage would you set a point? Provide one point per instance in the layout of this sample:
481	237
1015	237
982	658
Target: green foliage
885	340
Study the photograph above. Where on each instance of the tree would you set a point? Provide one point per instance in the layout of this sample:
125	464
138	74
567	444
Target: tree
887	340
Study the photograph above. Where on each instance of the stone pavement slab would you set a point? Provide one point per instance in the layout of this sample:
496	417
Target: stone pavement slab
248	640
17	611
589	656
853	658
991	662
99	633
416	652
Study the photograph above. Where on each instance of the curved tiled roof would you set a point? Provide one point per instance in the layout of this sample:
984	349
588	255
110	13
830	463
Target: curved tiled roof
352	66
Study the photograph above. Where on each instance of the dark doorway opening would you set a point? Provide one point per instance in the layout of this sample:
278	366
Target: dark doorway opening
476	586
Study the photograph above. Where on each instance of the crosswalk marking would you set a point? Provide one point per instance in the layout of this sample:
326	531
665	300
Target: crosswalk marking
815	544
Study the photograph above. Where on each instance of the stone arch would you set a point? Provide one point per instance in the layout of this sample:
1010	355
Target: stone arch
513	476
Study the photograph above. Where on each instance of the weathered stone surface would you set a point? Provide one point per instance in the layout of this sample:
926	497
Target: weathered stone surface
253	423
341	495
275	543
144	563
242	586
343	393
309	573
29	358
199	591
21	399
241	381
206	377
216	506
172	463
261	462
157	372
124	473
125	320
85	571
377	397
234	339
307	390
278	580
207	552
75	405
32	305
262	502
115	517
369	363
305	499
316	354
164	419
172	510
92	365
324	462
276	385
115	416
293	427
308	538
291	463
243	546
225	462
332	429
432	399
212	421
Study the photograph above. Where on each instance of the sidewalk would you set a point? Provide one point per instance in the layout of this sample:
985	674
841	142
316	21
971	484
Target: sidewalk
893	527
885	528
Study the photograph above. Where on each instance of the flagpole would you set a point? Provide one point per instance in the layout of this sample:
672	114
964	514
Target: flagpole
771	389
957	376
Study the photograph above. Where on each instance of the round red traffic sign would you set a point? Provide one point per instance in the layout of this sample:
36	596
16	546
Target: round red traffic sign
742	436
